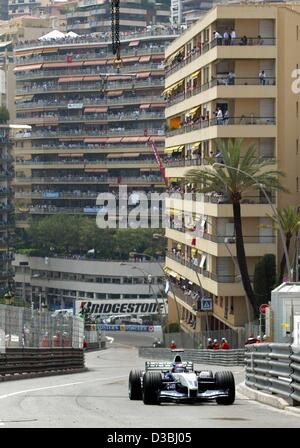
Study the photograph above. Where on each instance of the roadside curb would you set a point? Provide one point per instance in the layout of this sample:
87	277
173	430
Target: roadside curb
265	398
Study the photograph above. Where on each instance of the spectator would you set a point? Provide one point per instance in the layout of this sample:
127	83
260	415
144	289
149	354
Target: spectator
173	345
244	40
231	78
218	37
219	116
232	37
262	78
260	41
226	117
216	344
225	345
210	344
226	38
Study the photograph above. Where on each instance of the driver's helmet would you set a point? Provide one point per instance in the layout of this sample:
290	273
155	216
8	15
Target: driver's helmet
178	367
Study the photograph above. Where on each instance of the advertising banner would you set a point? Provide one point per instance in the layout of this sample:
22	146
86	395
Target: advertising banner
121	307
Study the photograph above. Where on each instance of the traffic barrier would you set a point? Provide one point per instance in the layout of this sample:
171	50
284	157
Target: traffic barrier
273	368
218	357
19	361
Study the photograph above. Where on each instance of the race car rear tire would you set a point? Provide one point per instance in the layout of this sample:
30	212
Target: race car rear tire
225	380
152	384
134	385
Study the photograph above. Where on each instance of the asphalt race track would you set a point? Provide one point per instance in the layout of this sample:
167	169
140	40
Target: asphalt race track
99	398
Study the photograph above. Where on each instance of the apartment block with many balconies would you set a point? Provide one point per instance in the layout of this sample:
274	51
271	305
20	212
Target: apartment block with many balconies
92	123
249	78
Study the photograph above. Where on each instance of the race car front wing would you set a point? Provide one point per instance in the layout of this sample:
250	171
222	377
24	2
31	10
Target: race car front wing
192	395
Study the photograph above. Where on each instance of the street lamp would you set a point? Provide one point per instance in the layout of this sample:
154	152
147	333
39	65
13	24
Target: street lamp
216	164
148	275
156	236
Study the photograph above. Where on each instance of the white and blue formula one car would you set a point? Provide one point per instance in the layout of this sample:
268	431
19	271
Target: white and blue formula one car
178	382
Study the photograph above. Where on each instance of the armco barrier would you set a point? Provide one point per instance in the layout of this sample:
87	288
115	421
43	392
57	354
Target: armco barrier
273	368
218	357
32	360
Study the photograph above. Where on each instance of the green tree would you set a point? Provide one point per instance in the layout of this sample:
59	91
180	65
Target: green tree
4	115
264	278
236	183
288	219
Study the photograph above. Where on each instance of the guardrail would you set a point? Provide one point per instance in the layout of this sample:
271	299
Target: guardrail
38	360
273	368
218	357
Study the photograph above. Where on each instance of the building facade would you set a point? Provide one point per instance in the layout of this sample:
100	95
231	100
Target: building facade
91	16
92	123
59	282
205	74
6	210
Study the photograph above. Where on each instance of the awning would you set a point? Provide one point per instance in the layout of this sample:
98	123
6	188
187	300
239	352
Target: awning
62	64
143	139
50	50
92	78
96	109
157	138
131	59
130	139
71	155
158	73
157	104
114	139
96	140
144	106
98	62
143	75
134	43
120	155
71	79
96	170
157	57
115	93
144	58
119	78
24	68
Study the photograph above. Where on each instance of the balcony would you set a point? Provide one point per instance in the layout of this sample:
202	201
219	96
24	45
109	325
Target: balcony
89	102
69	179
98	163
251	42
222	83
86	133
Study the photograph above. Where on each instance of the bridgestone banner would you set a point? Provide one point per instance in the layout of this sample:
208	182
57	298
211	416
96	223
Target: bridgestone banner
111	307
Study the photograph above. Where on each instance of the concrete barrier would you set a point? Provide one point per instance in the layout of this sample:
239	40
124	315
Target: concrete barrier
217	357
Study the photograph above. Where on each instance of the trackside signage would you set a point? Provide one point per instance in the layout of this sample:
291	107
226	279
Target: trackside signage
122	306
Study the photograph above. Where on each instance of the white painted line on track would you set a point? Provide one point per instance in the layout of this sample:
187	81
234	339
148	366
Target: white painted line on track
59	385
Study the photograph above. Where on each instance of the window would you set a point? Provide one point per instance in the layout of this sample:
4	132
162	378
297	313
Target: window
113	296
100	295
116	280
90	295
127	280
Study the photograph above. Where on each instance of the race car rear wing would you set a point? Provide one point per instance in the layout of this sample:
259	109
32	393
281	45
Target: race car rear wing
166	365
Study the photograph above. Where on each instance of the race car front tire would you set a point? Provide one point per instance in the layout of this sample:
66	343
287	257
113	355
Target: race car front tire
225	380
152	384
134	385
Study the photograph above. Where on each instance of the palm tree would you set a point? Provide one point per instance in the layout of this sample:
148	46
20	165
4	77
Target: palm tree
236	183
288	219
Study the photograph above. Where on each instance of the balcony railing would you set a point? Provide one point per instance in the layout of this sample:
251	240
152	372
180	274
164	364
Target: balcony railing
87	133
227	239
215	198
220	278
90	102
198	161
186	298
93	117
268	81
243	120
82	162
251	41
88	180
96	39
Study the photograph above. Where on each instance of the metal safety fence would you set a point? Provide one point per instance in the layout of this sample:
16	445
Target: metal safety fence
25	328
274	368
217	357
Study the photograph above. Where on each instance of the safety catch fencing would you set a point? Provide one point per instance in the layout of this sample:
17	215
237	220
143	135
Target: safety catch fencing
274	368
16	363
217	357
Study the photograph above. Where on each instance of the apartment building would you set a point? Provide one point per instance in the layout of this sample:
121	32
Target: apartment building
205	74
58	282
90	16
6	210
4	10
92	122
17	8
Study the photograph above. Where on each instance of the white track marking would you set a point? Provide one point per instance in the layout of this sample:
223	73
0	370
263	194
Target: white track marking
58	385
